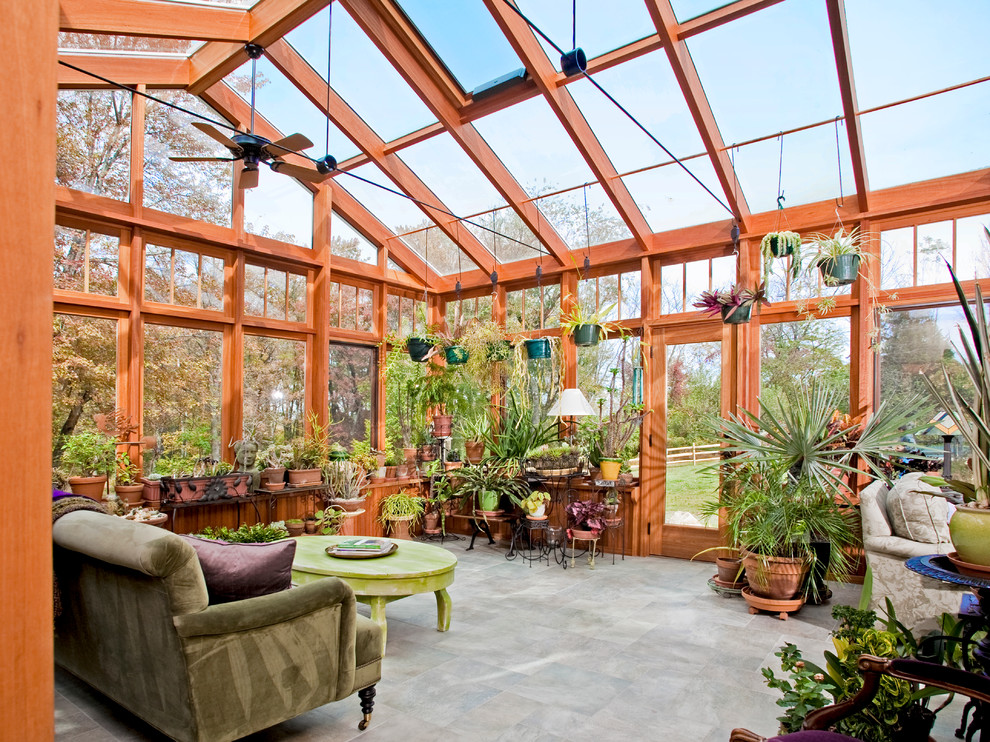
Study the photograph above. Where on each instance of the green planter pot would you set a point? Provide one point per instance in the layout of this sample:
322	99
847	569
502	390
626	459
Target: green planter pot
499	351
969	529
586	335
779	249
538	348
339	456
738	317
841	270
418	348
456	355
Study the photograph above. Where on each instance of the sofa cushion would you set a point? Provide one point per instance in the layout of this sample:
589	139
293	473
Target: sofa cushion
238	571
915	515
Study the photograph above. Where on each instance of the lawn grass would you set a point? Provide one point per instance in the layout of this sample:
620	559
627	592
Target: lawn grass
690	485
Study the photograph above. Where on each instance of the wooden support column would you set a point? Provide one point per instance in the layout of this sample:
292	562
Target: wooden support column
653	466
28	217
318	345
642	513
568	300
744	356
862	323
232	405
139	107
130	330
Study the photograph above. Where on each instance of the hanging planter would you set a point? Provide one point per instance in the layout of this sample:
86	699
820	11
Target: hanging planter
840	271
736	315
839	256
498	351
735	304
456	355
537	348
587	335
781	245
418	348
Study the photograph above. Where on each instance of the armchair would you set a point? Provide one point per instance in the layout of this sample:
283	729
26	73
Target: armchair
137	626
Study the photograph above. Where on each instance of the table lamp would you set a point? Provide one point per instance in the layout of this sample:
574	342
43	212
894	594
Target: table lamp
572	403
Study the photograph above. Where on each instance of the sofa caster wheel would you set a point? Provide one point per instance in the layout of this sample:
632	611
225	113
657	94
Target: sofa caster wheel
367	696
363	724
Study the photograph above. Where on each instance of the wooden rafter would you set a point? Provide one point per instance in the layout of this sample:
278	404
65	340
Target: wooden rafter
538	64
156	19
270	21
230	104
369	15
723	15
130	69
314	87
694	94
850	107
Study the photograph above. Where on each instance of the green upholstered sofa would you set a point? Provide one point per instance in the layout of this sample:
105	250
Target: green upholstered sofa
136	625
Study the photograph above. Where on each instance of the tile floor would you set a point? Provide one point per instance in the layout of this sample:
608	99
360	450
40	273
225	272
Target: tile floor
641	650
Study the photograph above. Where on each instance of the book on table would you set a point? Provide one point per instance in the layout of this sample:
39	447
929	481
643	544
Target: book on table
362	546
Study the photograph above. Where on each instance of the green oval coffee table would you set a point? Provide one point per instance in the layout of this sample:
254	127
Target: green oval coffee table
414	568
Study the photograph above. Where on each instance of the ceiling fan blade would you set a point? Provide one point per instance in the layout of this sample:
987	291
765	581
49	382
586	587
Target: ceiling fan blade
202	159
249	179
216	134
291	143
298	171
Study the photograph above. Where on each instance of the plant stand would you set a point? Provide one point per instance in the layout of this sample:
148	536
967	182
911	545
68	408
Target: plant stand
529	541
781	607
593	541
725	589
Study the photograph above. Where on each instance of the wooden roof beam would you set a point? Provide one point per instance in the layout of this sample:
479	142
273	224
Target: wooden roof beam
368	14
228	103
125	69
850	106
543	72
155	18
314	87
694	94
270	21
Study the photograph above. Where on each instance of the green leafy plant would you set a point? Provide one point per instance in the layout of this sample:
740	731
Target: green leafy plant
534	500
329	521
89	454
275	456
785	242
488	483
345	480
577	316
400	506
126	471
516	432
712	302
254	534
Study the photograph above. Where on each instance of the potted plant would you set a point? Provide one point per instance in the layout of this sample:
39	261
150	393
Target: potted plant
126	483
538	349
274	458
969	409
779	245
555	460
437	392
838	256
734	304
588	328
399	512
452	342
345	482
453	461
486	485
88	457
295	526
585	519
619	420
535	504
515	430
475	428
304	465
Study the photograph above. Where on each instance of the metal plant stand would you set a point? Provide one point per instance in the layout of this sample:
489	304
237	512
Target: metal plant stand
529	540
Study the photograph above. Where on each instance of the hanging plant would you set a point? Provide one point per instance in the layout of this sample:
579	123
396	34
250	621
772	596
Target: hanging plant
588	328
780	245
734	304
838	256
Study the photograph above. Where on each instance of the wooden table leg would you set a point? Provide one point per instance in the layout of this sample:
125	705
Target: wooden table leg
377	603
443	610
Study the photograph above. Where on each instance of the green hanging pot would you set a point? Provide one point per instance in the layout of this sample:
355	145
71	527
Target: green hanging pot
537	349
842	270
736	315
456	355
780	248
586	335
500	350
418	348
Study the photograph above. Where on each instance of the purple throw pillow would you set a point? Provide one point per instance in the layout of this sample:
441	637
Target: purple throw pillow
238	571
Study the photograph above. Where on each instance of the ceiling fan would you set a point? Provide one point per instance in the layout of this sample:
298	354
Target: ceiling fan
252	149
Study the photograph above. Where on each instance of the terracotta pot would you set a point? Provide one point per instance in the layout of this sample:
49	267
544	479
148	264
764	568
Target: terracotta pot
474	451
304	476
237	484
375	479
310	526
431	522
402	471
132	494
427	453
273	475
442	425
777	578
390	471
730	569
581	534
275	486
88	486
401	528
152	491
610	469
380	459
969	529
410	455
349	505
295	529
451	465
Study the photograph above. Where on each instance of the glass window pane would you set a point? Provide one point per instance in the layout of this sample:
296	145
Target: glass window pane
672	289
601	222
631	296
353	381
276	289
513	311
897	258
348	307
297	298
723	271
211	290
94	142
157	273
186	278
334	300
347	242
198	190
106	42
279	208
438	250
254	290
794	354
392	313
608	295
183	385
84	374
685	10
697	279
588	295
104	255
366	310
551	305
70	257
274	388
934	250
514	241
533	314
600	27
973	247
396	212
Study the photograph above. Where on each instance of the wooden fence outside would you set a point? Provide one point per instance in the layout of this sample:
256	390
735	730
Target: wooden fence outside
693	454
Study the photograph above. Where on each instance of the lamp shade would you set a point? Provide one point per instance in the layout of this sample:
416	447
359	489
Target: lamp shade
572	403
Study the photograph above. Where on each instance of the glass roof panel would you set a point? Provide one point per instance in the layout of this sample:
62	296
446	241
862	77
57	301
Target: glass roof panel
372	88
809	171
601	27
107	42
442	250
465	37
533	145
770	71
281	103
347	242
448	171
647	88
514	241
566	212
396	212
669	198
235	3
685	10
888	67
929	138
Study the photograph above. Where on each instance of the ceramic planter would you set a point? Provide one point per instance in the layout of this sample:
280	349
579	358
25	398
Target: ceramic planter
969	529
88	486
587	335
610	469
418	348
401	528
777	578
152	491
409	454
426	452
132	494
431	522
736	315
273	476
298	477
537	349
456	355
841	270
442	425
474	451
295	529
580	533
349	506
730	570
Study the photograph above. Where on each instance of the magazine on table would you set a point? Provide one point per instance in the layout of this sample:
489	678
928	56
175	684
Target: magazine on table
362	545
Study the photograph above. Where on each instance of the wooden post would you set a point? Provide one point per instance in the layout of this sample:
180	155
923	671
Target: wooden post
28	217
318	345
